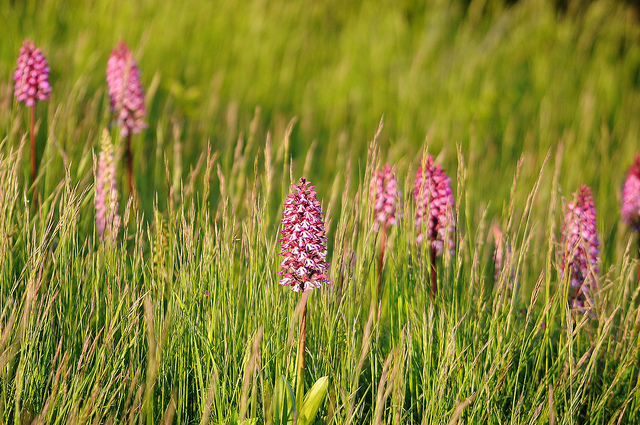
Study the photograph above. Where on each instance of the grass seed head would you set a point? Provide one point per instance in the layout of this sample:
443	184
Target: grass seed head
503	256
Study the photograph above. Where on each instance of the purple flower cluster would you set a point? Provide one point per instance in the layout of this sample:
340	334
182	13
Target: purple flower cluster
304	244
631	196
107	219
125	91
580	248
31	76
384	191
435	205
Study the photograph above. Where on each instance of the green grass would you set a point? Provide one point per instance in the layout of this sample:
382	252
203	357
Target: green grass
182	318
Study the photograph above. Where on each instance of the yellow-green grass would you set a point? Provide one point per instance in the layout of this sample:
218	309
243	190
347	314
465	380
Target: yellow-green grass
243	97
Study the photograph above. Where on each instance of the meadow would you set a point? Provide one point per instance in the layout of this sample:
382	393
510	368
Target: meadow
180	318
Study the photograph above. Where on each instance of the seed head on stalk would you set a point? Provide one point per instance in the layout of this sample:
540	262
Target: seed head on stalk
503	258
580	249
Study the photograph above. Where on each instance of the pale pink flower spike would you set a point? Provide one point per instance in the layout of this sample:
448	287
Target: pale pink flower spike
304	244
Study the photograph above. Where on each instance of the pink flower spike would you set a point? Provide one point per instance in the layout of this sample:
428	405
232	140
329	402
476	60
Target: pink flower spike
435	205
31	77
125	91
304	244
631	196
580	248
107	218
385	194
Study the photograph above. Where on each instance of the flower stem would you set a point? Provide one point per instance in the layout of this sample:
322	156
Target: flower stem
434	281
301	350
638	274
129	161
383	246
32	135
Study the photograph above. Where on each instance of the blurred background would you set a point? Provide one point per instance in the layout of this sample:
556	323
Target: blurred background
498	79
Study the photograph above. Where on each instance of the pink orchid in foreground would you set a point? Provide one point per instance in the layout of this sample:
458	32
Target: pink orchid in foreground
304	244
304	248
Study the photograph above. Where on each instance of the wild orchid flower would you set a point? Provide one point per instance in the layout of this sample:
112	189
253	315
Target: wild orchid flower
31	84
631	196
304	244
385	195
435	219
304	248
31	77
580	248
631	201
107	219
126	97
126	94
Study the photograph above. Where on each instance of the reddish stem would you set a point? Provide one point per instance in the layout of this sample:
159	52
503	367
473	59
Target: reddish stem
432	260
383	246
301	350
638	275
434	281
129	161
32	134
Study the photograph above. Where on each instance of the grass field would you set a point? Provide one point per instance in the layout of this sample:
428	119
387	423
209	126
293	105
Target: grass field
181	319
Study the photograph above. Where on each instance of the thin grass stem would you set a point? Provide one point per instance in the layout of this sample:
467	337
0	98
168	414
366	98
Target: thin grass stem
129	163
434	277
383	246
